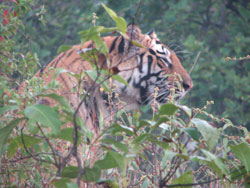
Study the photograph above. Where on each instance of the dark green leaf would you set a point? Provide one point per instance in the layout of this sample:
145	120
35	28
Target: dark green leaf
66	134
143	123
186	178
158	123
61	183
45	115
107	163
109	183
141	138
117	144
5	132
32	127
120	128
238	173
168	109
70	172
91	174
193	132
217	161
120	160
242	152
18	141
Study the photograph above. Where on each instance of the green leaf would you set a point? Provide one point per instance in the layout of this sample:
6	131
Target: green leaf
66	134
63	48
217	161
146	183
85	131
237	173
111	160
5	132
72	185
120	79
91	174
168	109
186	178
70	172
242	152
137	44
162	120
141	138
209	133
110	183
120	128
187	110
32	128
120	22
17	142
165	126
169	155
9	107
107	163
120	160
117	144
46	115
61	183
143	123
193	132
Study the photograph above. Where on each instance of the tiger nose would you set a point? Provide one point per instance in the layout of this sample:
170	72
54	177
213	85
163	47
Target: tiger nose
187	85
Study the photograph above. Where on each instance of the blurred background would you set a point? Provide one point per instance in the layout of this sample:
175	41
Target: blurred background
216	29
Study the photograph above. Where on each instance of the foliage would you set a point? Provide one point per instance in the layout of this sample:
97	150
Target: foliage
176	146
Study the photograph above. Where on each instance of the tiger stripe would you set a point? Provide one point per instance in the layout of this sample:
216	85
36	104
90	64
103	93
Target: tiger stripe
70	53
121	46
113	45
58	60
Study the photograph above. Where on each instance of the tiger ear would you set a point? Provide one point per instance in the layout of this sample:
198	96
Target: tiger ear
152	34
133	31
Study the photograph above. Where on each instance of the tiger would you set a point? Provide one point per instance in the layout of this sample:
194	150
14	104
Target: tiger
145	68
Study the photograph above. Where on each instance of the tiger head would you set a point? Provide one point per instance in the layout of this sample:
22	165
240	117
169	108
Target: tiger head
152	69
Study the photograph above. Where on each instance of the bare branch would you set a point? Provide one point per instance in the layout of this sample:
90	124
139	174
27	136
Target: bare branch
27	151
195	62
50	145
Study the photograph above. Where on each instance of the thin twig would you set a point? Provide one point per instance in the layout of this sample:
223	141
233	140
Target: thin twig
195	62
136	12
192	184
27	151
26	157
50	145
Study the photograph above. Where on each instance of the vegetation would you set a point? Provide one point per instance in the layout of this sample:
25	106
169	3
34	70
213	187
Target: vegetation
134	150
